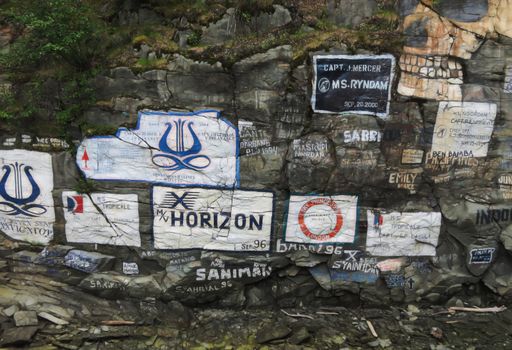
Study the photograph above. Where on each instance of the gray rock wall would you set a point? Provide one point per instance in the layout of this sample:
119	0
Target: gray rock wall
394	164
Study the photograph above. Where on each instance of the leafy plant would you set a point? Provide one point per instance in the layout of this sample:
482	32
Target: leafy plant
54	30
194	38
61	42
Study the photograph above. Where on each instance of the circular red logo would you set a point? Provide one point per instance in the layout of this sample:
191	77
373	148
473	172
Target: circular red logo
334	211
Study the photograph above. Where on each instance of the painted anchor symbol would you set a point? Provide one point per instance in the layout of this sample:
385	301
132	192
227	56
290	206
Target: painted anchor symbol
180	157
18	204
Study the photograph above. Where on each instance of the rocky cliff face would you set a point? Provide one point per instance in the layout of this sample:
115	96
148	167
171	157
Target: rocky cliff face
304	170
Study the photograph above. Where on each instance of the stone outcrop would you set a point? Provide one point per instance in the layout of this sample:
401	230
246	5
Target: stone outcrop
405	162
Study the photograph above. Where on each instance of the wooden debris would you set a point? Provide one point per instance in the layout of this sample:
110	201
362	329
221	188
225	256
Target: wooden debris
326	313
494	309
117	323
372	330
297	315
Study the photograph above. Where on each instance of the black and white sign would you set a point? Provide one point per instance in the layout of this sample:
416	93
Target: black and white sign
357	84
481	255
214	219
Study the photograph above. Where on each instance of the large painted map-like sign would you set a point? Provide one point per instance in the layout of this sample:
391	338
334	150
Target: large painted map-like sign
403	234
215	219
26	203
197	148
356	84
102	218
321	219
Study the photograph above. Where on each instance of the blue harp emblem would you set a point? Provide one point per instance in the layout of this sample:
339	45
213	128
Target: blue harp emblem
18	203
184	155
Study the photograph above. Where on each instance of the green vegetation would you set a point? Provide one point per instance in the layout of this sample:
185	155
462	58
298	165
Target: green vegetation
59	47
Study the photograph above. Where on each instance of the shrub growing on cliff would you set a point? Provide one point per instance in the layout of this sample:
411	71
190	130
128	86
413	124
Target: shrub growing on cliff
64	31
60	42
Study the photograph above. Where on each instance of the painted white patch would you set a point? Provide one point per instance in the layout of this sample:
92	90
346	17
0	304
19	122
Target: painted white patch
463	129
507	86
321	219
130	268
186	218
173	148
26	202
403	234
412	156
111	219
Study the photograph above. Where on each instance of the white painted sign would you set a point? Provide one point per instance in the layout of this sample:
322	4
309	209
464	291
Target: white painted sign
232	220
102	218
412	156
26	202
463	129
403	234
507	86
130	268
321	219
197	148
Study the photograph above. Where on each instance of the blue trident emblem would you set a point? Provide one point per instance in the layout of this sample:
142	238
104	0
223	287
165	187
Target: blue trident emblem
18	204
181	157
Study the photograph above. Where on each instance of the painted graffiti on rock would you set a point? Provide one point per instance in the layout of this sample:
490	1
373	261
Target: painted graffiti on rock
204	218
354	266
495	214
130	268
86	261
394	280
505	185
328	249
26	202
321	219
406	179
221	271
412	156
198	148
391	265
403	234
441	162
103	218
353	136
304	148
463	129
357	84
255	140
481	255
507	86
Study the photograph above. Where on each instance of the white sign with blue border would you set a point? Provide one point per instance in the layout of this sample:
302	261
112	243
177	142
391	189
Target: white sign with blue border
178	148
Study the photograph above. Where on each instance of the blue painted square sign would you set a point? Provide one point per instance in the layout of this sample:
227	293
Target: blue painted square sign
352	84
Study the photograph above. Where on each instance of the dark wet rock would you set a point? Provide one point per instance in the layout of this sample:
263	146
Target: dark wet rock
310	157
259	79
17	336
25	318
299	336
272	332
233	24
123	82
198	85
350	12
